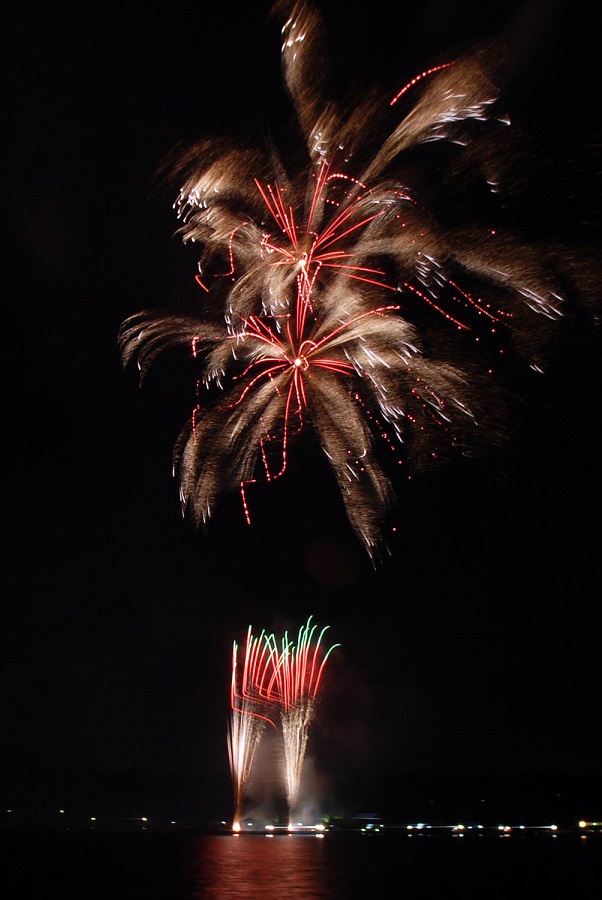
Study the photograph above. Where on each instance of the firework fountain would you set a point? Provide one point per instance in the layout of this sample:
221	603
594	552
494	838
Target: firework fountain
279	679
297	673
249	714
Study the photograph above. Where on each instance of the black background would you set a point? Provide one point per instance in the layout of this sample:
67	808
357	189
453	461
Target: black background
474	649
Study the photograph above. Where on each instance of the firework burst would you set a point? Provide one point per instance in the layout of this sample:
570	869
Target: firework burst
332	300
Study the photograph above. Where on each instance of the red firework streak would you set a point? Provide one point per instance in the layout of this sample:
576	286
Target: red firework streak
297	668
249	715
246	694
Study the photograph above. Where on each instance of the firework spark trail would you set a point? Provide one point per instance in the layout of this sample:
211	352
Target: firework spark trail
277	680
297	673
250	708
333	298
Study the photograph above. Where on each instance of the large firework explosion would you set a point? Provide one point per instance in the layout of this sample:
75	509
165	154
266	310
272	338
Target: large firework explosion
333	300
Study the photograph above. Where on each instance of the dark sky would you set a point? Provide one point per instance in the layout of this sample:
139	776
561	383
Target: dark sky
474	648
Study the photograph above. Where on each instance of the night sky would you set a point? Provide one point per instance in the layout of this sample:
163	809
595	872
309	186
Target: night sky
474	648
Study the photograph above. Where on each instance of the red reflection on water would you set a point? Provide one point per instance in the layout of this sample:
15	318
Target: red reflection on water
265	867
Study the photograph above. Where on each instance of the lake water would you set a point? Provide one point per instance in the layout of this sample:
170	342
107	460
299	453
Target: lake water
110	866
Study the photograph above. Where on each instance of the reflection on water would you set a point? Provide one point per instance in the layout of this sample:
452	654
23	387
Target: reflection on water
260	866
394	866
291	867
